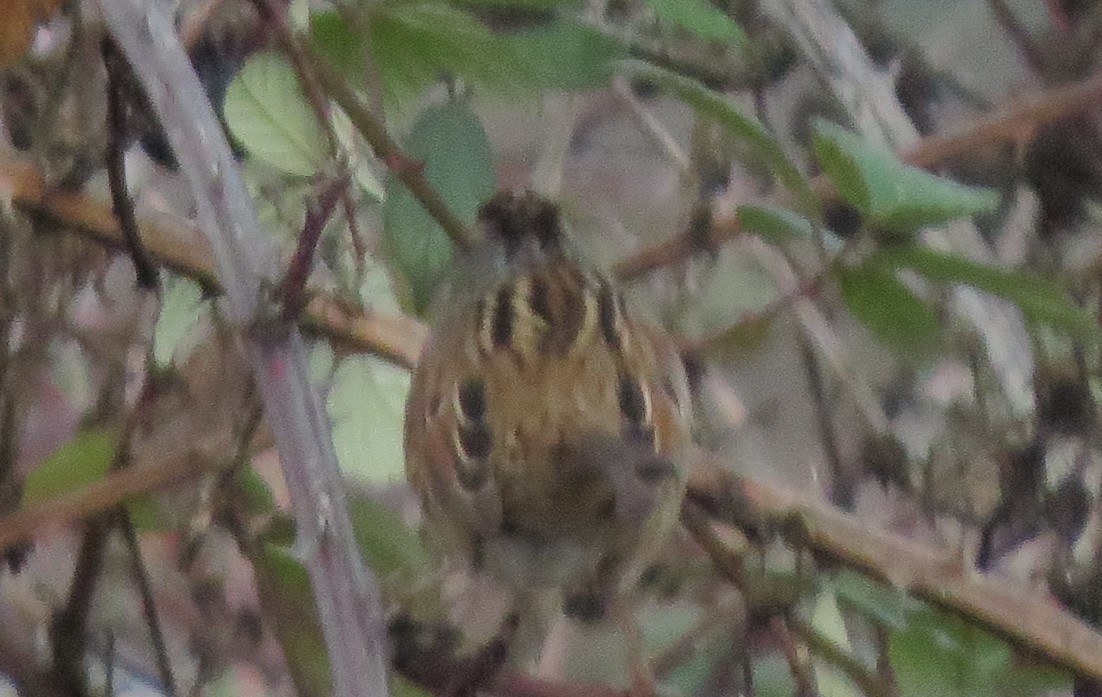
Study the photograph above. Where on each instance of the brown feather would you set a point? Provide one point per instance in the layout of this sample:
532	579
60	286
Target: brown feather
543	415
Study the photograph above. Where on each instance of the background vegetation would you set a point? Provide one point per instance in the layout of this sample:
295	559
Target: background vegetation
872	225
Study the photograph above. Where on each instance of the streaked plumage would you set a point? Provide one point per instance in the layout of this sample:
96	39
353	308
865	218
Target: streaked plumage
546	422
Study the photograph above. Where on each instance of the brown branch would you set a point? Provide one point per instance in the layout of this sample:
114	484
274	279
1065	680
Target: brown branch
318	214
173	242
1007	124
797	657
1013	612
115	488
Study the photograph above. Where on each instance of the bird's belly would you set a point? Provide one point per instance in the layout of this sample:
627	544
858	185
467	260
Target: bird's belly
522	562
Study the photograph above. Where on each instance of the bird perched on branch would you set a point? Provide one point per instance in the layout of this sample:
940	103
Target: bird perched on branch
547	423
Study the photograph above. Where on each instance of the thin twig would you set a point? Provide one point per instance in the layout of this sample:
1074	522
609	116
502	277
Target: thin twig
821	334
121	518
797	656
69	629
1018	34
117	137
867	680
389	152
842	485
276	15
651	127
728	616
149	606
884	671
302	261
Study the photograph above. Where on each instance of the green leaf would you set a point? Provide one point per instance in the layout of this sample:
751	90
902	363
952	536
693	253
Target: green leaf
1040	299
366	405
147	516
85	460
391	548
458	163
1030	680
181	309
414	43
286	597
267	112
775	225
341	44
82	461
698	17
884	605
886	306
400	687
743	126
253	493
940	654
527	5
892	195
565	55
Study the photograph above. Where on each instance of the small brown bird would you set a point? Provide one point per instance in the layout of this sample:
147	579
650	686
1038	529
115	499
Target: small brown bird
547	423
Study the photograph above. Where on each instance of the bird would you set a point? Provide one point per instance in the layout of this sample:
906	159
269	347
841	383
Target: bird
548	421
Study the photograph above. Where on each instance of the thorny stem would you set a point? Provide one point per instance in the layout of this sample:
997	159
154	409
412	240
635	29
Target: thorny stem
347	595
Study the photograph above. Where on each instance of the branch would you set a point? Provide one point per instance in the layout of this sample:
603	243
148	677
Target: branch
868	96
1007	124
1037	624
389	152
173	242
346	593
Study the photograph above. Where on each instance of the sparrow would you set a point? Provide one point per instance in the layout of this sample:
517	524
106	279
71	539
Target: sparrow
547	421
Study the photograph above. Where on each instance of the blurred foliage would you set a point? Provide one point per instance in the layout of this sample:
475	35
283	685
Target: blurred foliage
450	142
425	64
